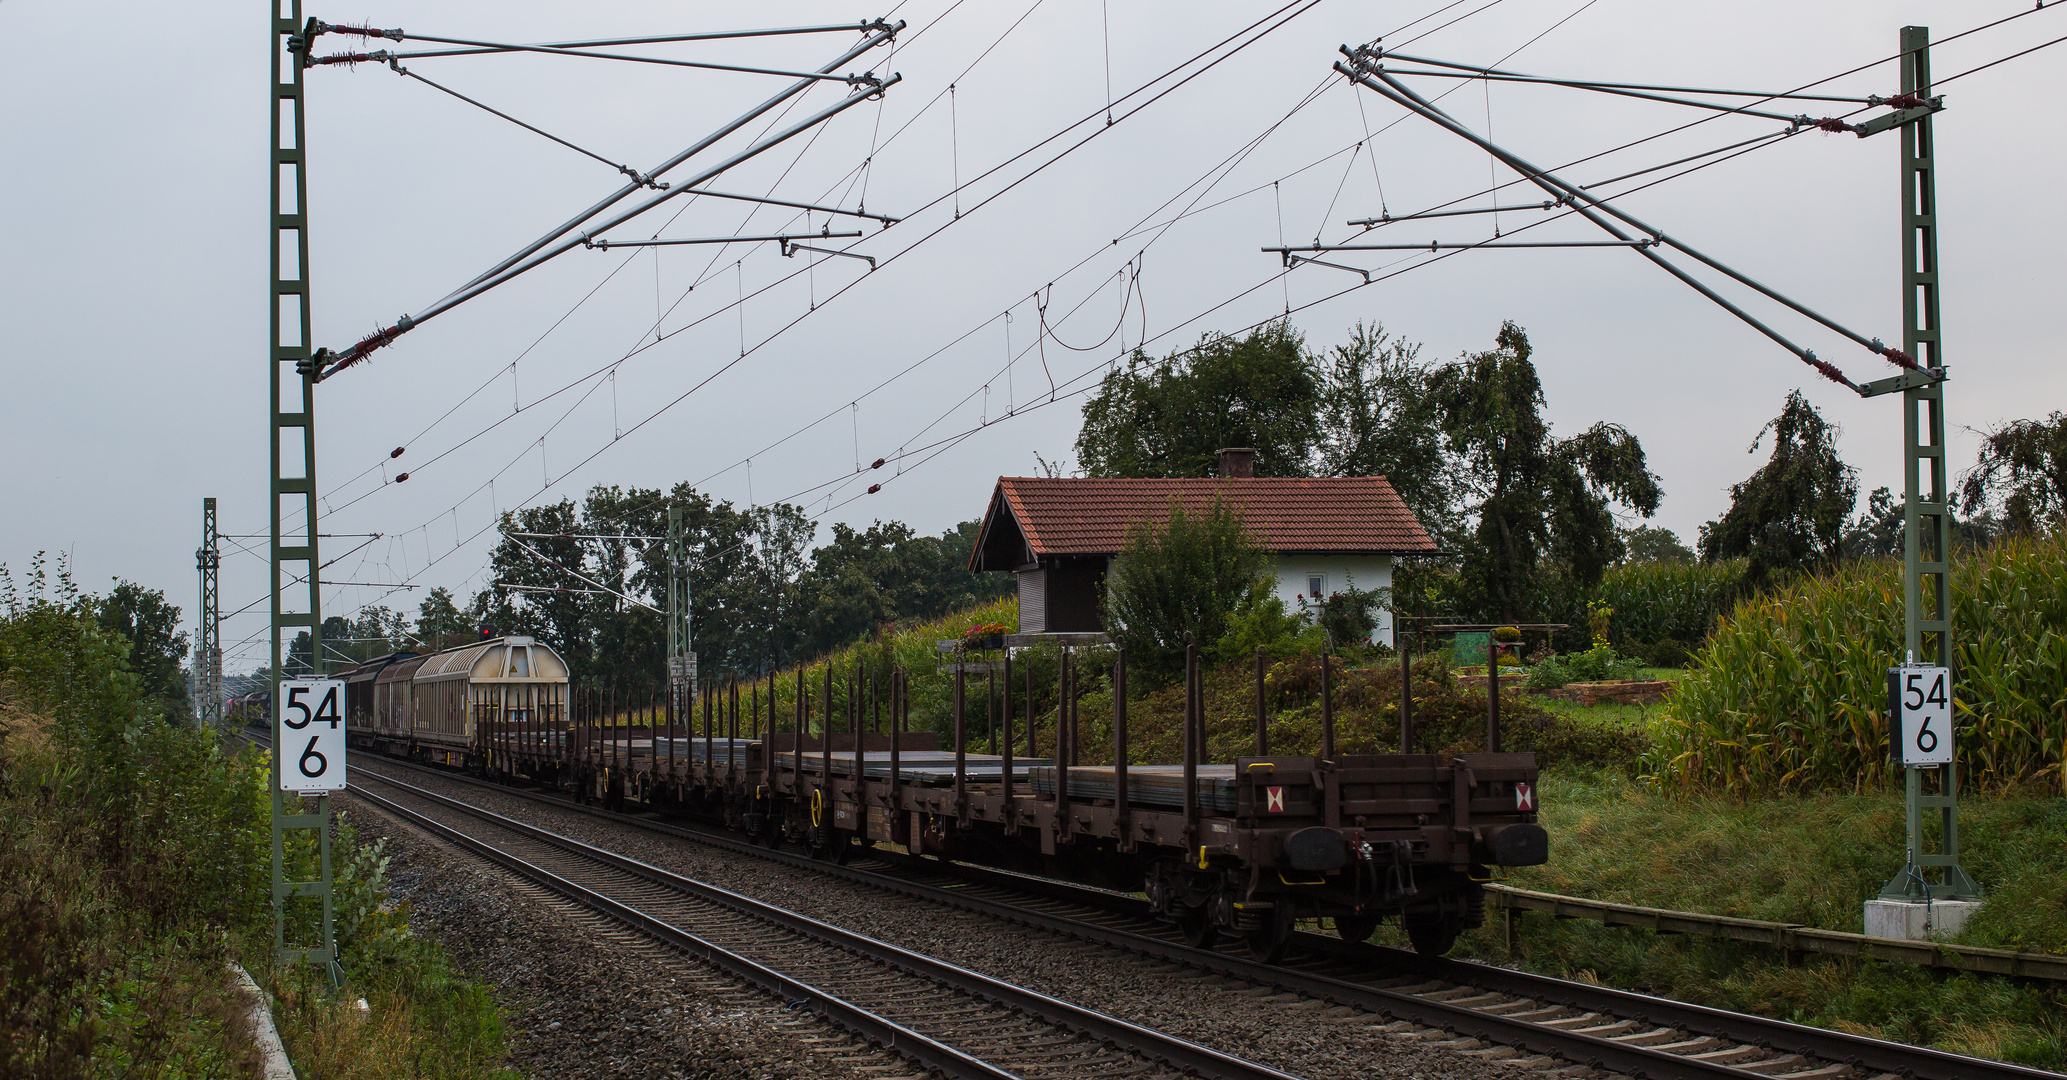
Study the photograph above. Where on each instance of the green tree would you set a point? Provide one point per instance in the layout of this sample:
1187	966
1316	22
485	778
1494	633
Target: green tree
1378	417
1537	497
889	573
439	622
1184	580
157	646
1792	513
1171	417
2021	475
1646	543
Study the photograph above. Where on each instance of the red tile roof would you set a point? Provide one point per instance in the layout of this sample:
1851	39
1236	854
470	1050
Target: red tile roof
1339	515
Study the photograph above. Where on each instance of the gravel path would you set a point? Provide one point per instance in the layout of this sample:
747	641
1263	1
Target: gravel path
591	1000
1300	1036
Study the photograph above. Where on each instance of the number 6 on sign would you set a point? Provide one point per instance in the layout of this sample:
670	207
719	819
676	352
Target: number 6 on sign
311	747
1920	715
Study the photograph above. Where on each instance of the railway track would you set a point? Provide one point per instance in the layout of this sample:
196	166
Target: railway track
941	1017
1534	1021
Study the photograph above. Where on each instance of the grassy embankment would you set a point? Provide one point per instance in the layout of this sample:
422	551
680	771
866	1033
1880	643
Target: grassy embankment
134	868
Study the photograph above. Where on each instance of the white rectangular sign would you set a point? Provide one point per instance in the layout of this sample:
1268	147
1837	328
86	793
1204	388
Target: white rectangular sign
1923	700
311	751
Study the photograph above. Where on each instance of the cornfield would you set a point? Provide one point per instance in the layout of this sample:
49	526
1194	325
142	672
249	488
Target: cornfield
1667	601
1789	693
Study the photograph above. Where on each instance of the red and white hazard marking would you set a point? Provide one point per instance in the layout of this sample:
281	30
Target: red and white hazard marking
1524	797
1277	800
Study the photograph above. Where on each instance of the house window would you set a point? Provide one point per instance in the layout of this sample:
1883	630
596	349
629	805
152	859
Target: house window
1316	585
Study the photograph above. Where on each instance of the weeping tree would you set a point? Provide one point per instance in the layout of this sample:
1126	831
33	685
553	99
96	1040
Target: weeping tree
1543	503
1792	514
1181	579
2021	476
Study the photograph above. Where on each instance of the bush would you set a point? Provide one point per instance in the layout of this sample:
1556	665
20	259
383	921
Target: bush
1789	692
1598	664
1182	581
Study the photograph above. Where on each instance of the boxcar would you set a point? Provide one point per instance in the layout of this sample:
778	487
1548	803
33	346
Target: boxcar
457	694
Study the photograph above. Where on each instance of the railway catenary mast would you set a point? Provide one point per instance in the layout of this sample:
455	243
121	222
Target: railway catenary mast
291	423
208	711
1927	523
290	404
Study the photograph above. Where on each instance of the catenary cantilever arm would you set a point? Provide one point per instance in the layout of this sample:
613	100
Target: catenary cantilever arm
1361	71
324	363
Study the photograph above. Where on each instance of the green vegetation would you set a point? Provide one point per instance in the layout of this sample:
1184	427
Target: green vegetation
1809	859
1788	695
134	868
1181	581
1791	514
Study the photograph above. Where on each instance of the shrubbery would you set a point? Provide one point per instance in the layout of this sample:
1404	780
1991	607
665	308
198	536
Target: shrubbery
135	866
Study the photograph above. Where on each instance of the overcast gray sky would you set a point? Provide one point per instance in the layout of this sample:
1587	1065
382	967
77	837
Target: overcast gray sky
132	287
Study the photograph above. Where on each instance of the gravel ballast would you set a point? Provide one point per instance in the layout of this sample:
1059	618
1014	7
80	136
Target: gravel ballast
1301	1036
588	999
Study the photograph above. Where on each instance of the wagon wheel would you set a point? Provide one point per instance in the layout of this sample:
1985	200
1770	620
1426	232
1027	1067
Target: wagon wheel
1267	943
1434	936
1356	927
1196	924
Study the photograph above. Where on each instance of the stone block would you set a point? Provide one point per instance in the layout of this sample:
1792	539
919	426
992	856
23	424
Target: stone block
1917	921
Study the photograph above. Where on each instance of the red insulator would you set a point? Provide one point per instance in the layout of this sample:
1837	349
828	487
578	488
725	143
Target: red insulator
878	464
1830	372
1899	358
1834	125
399	477
397	452
1905	101
873	488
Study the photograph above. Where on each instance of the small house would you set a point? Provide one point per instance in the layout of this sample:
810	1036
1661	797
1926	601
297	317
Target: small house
1059	535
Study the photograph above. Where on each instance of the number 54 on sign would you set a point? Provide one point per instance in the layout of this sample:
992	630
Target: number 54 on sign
310	751
1920	715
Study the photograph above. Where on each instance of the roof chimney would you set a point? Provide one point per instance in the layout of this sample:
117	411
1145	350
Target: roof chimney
1237	461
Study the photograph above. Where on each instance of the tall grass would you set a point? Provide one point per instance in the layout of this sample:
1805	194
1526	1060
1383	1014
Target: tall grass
1789	692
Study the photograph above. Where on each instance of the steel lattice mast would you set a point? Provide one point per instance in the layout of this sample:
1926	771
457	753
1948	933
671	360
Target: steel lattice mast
291	422
1927	520
208	626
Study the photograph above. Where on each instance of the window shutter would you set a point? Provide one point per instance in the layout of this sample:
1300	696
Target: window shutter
1033	602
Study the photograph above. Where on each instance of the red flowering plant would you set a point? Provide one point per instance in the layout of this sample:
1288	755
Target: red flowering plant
984	630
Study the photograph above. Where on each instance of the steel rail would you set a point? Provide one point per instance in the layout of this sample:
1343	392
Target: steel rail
1921	1063
1154	1045
1918	1062
878	1030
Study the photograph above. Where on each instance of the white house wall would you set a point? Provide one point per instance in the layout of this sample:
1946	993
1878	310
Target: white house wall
1366	572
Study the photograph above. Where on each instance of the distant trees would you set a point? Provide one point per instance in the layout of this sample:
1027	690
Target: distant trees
1792	513
758	594
1650	544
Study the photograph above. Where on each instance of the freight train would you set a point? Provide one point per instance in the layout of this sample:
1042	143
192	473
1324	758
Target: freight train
1241	849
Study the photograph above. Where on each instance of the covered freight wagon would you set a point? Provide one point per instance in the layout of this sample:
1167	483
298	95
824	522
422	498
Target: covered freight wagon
497	685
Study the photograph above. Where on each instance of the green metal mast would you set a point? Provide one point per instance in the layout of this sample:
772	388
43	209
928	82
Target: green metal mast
290	419
208	627
1926	517
681	658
